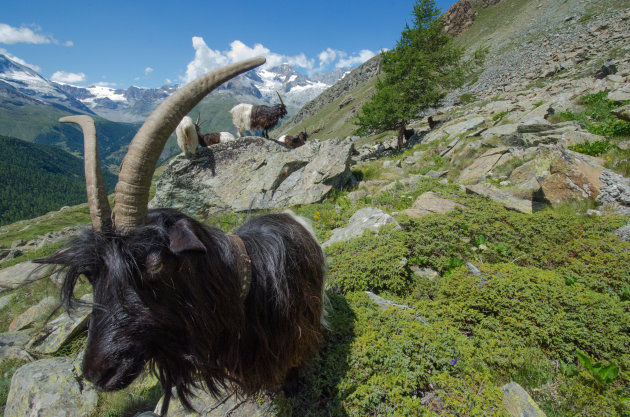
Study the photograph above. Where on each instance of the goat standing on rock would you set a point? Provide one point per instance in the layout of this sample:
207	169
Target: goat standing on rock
187	136
250	117
233	311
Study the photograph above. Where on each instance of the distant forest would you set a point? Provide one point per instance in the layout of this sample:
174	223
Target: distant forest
36	179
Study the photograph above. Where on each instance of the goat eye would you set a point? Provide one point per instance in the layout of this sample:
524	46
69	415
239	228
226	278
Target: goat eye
154	264
154	269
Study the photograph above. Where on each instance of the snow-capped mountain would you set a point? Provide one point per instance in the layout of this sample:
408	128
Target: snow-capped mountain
18	82
256	87
130	105
22	85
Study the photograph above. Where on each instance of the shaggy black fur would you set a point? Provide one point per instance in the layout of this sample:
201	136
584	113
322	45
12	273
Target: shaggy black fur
207	139
167	293
266	117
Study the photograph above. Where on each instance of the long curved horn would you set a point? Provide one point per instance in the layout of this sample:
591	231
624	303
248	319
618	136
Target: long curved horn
100	211
134	180
281	102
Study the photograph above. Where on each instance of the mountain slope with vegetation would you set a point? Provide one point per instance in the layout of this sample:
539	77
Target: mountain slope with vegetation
507	255
37	178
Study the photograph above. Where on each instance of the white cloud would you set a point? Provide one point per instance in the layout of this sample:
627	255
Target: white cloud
11	35
19	60
148	70
68	43
68	77
207	59
353	60
329	56
104	84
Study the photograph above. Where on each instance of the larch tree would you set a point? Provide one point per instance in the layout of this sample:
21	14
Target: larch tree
416	74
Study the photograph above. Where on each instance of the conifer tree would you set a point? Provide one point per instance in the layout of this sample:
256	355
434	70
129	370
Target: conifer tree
415	74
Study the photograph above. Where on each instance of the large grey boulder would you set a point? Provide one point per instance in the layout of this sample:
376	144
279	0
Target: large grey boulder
623	113
519	403
623	232
431	203
59	331
207	405
367	218
34	314
49	387
615	191
481	166
12	345
253	173
504	197
16	275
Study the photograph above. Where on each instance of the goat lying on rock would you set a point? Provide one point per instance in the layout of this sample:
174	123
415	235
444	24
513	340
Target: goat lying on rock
294	141
236	311
250	117
207	139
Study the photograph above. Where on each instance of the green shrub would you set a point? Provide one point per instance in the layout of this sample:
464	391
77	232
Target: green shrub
596	148
372	262
393	358
519	308
597	117
467	98
470	395
500	115
574	396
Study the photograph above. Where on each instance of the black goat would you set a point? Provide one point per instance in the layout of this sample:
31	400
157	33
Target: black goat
250	117
231	311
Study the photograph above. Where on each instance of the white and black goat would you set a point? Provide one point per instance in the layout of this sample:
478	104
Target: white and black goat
294	141
234	311
250	117
207	139
187	137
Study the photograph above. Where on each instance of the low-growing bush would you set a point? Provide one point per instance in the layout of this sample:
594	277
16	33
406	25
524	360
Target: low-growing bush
374	261
523	308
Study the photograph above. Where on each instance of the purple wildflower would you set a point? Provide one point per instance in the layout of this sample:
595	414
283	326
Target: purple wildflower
454	361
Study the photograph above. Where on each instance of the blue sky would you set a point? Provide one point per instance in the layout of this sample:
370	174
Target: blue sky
149	44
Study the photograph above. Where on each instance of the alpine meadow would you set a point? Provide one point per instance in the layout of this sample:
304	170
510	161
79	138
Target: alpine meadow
469	188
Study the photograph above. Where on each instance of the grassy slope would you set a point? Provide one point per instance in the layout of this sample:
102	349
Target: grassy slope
334	122
505	25
551	283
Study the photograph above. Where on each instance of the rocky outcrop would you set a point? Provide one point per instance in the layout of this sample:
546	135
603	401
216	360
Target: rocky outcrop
253	173
369	218
218	406
49	387
16	275
431	203
615	191
567	49
462	14
459	17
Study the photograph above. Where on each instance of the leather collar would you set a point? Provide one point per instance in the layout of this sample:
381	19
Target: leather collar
243	265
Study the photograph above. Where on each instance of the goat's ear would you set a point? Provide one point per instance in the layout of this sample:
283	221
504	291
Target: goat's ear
183	238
